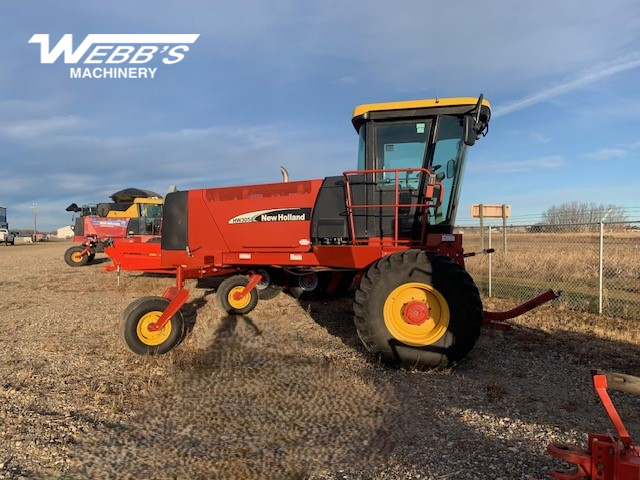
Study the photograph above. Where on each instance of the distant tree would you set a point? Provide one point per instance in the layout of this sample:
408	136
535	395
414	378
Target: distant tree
581	212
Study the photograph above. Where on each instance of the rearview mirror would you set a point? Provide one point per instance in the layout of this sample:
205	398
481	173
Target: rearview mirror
451	168
469	126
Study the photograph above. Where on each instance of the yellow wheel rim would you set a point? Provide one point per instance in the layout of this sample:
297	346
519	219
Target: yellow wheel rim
148	337
238	304
76	257
416	314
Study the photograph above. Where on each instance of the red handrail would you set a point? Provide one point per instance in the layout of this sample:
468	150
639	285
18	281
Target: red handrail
429	190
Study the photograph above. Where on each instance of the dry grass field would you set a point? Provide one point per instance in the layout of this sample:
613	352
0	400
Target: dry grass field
567	261
285	392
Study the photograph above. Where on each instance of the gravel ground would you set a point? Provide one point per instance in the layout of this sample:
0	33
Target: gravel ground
284	392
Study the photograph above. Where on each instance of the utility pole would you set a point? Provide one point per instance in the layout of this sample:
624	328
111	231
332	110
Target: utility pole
34	207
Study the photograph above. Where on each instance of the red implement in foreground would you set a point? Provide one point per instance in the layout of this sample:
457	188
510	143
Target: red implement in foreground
606	457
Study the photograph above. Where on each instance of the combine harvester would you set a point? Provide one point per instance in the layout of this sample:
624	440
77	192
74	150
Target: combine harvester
134	215
389	224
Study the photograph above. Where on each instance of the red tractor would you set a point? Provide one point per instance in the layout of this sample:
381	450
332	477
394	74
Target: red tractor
388	225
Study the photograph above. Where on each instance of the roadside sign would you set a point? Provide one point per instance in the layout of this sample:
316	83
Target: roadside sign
483	210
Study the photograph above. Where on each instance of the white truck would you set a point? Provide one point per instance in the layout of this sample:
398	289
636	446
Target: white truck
6	236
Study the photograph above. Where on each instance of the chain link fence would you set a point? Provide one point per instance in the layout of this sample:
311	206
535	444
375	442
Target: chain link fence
596	266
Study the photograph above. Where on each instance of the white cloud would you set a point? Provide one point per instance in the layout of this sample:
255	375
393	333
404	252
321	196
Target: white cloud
15	185
612	107
572	83
73	182
190	158
605	154
512	166
31	107
347	80
29	129
539	137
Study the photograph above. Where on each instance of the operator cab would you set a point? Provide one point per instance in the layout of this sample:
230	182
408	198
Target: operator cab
411	158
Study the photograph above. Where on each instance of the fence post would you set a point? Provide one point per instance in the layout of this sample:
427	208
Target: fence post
600	269
490	262
504	230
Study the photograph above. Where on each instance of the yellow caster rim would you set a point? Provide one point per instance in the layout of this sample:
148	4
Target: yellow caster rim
76	257
416	314
238	304
152	338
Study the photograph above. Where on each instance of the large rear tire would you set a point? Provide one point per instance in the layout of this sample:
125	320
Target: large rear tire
418	308
136	320
74	257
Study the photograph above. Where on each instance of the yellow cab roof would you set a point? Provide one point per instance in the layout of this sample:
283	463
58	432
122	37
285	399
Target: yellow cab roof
414	104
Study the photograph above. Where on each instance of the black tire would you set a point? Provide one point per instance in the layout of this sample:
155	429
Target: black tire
269	293
433	272
269	288
298	291
73	257
133	305
138	338
225	291
266	281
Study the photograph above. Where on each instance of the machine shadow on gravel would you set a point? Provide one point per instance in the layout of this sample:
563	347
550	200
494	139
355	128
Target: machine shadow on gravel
228	323
334	312
99	261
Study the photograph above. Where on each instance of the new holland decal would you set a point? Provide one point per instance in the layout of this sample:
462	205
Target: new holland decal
110	223
274	215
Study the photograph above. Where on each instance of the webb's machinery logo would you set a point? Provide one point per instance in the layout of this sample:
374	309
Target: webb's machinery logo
120	50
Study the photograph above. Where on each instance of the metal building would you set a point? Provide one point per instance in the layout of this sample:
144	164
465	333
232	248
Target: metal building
3	217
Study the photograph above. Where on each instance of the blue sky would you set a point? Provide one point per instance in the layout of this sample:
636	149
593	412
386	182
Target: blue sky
274	83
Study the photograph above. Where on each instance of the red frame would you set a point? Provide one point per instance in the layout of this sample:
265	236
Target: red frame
606	457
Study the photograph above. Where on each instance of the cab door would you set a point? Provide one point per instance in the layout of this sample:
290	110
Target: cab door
398	148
